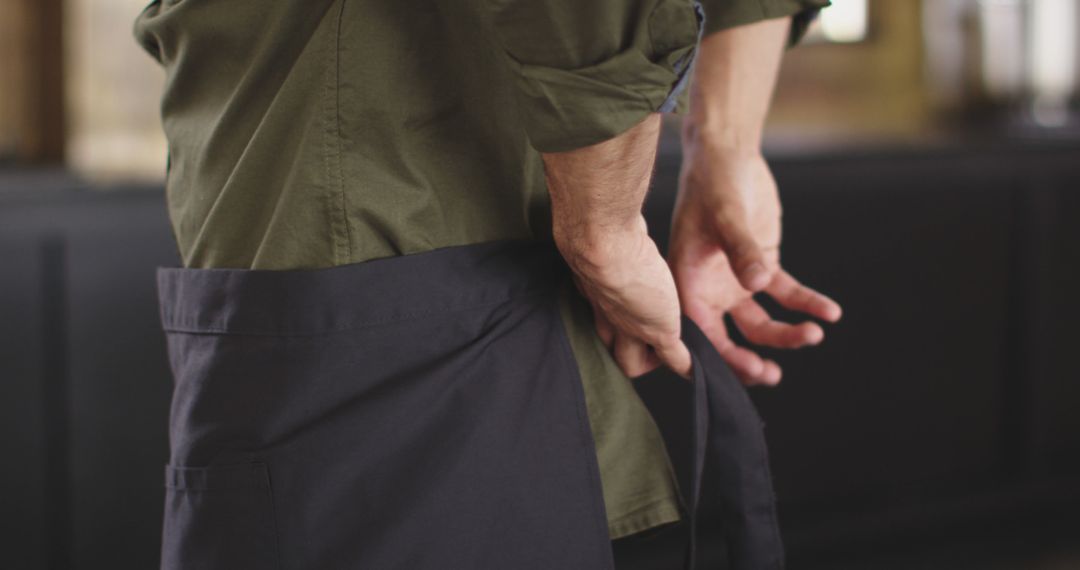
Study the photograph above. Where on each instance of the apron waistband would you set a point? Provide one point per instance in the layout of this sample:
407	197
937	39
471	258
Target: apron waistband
224	300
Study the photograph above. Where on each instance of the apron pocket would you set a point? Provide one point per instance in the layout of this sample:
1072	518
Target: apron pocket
219	517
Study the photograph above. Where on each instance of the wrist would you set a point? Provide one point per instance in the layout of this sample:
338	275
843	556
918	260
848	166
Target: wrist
720	139
592	246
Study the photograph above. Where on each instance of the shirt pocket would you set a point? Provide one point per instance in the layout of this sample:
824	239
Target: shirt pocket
219	517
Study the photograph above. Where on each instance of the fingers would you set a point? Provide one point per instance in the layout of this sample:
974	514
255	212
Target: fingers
759	328
604	330
629	355
636	357
748	366
633	356
747	260
675	355
798	297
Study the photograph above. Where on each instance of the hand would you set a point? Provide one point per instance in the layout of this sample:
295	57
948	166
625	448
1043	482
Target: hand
725	246
596	195
633	296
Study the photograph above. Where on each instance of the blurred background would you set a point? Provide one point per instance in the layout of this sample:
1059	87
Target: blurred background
928	157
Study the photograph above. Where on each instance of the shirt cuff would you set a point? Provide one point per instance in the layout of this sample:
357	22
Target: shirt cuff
676	101
725	14
568	109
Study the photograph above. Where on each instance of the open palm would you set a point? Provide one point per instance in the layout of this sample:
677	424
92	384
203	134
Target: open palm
725	247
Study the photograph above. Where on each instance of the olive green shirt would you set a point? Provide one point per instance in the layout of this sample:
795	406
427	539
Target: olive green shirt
315	133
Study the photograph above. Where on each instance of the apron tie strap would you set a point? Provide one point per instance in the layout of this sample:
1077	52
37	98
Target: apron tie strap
728	437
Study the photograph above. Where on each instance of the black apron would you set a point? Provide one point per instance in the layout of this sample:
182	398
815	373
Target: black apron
415	412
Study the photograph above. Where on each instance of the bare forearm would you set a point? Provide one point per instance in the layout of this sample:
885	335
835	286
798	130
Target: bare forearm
733	84
596	195
597	191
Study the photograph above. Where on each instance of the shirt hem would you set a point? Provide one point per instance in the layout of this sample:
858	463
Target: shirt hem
654	514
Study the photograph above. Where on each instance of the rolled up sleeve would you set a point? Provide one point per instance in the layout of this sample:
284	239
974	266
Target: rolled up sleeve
723	14
588	70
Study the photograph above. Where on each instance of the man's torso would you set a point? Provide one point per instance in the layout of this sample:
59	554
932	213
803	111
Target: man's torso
314	134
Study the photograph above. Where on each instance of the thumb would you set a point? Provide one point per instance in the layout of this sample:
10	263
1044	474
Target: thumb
677	356
745	256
